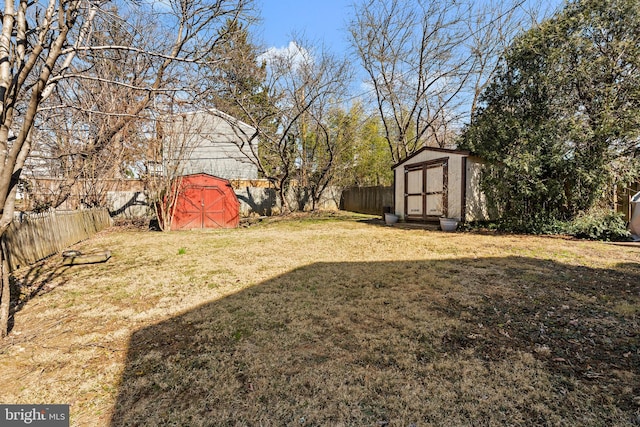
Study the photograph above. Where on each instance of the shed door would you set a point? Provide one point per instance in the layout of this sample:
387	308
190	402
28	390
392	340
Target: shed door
201	207
213	200
414	194
426	190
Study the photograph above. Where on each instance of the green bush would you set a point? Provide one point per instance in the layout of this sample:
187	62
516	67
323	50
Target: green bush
599	224
535	224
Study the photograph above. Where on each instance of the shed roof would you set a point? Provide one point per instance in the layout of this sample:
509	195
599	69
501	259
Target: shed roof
436	149
214	112
206	175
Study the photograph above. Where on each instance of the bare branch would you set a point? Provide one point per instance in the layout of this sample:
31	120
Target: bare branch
427	63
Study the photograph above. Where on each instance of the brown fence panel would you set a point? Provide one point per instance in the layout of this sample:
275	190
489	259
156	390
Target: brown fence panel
367	200
623	199
38	236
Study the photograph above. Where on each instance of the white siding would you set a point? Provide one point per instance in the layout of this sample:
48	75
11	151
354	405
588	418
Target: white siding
213	143
468	200
477	209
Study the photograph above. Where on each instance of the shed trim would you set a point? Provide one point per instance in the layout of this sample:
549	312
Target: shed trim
436	149
463	199
423	166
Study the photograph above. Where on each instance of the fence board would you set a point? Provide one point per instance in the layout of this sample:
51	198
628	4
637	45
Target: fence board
367	200
38	236
623	199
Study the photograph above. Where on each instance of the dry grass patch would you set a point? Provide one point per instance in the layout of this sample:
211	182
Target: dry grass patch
332	320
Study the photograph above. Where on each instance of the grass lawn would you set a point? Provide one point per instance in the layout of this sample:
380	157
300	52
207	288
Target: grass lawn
331	320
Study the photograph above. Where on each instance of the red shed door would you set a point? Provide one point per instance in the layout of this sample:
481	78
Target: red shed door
200	207
213	200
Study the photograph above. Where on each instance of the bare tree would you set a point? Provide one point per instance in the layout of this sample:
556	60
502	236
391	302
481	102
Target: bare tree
288	103
427	63
42	45
162	172
324	138
36	46
105	84
132	71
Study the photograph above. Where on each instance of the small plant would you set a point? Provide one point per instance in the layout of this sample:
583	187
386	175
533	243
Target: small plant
182	251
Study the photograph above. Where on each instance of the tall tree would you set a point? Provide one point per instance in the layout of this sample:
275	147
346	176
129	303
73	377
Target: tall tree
287	106
35	48
234	83
372	161
562	113
427	62
39	43
364	159
81	109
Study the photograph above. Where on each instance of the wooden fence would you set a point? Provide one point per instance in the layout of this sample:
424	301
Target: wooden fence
367	200
623	199
37	236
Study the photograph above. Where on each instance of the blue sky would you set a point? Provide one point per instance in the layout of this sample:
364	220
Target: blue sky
322	21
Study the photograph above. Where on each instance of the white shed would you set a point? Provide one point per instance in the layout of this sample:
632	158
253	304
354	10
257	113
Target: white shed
438	182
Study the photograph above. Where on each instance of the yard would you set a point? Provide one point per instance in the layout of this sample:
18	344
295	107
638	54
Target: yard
332	320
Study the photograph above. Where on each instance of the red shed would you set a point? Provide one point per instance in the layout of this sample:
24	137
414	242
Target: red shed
205	201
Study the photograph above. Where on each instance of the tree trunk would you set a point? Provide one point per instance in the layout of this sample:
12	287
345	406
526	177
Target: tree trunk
5	298
284	203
